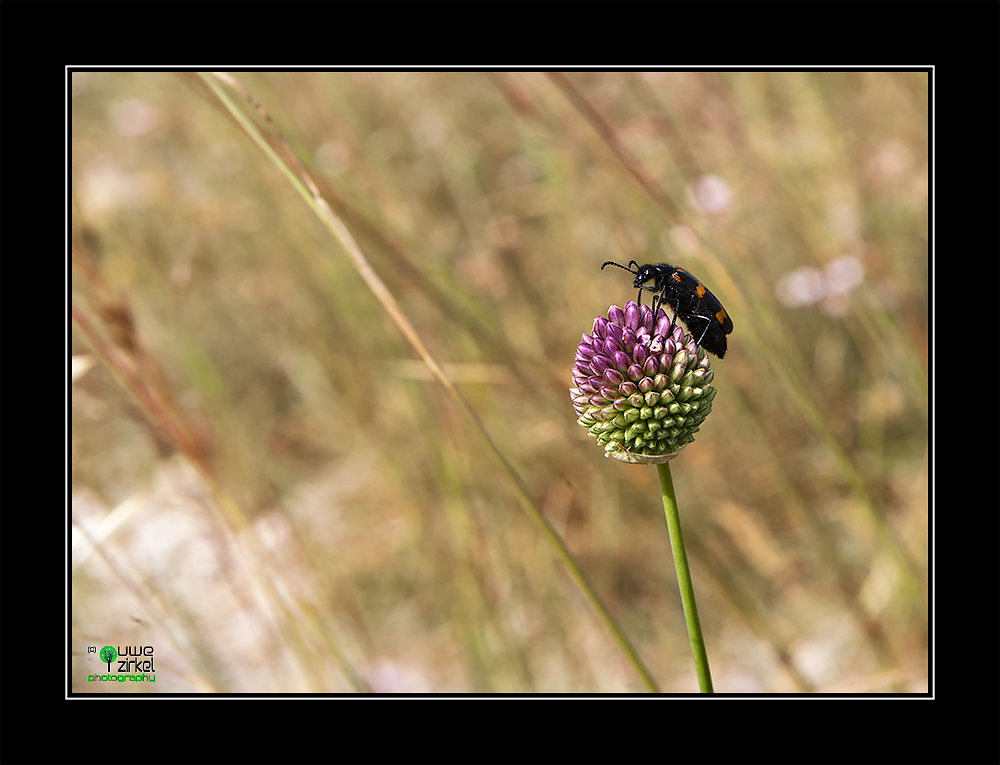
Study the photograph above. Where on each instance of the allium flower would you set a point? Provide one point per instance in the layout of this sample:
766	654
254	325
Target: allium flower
639	388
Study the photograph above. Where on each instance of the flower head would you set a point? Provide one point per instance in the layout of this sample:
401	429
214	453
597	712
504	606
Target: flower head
640	387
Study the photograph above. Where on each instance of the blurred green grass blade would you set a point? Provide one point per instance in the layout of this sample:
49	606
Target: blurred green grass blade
310	194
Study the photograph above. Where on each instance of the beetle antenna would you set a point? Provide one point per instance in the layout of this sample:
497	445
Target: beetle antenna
629	269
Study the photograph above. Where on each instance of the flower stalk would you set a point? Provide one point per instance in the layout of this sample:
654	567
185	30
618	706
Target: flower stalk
642	388
684	579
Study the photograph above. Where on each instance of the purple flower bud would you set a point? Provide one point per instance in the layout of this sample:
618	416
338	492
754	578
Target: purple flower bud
599	364
612	346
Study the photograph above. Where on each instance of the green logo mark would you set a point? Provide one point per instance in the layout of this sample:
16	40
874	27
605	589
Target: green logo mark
108	654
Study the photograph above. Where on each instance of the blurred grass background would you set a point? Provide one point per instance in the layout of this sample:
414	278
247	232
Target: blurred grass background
382	549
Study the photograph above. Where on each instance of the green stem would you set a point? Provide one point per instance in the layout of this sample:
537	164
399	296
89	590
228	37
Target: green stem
684	578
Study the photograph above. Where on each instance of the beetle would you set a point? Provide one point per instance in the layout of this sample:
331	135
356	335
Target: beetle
690	300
